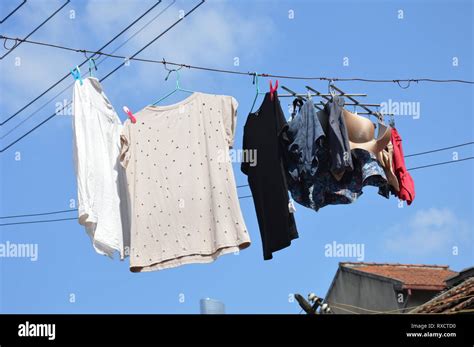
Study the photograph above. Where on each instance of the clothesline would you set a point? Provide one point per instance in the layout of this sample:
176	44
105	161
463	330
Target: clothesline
236	72
239	186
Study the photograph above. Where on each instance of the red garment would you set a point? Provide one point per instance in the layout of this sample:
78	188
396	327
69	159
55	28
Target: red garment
407	186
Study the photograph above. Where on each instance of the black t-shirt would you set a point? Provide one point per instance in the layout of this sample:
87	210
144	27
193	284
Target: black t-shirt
265	136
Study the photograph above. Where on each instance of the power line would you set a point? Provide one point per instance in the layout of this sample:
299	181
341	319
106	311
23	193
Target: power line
57	220
240	197
99	52
106	76
39	221
246	185
398	310
245	197
413	168
81	64
97	64
20	41
152	41
440	149
442	163
12	12
369	311
39	214
62	211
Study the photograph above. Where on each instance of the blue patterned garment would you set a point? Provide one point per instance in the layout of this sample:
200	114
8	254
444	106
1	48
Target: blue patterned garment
310	180
307	136
338	139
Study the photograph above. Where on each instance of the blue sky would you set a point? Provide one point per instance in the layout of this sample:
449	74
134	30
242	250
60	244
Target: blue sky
378	44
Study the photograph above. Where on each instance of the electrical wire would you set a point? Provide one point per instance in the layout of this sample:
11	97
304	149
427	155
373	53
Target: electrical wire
343	309
97	64
245	196
12	12
240	197
440	149
80	65
39	221
99	52
153	41
246	185
18	42
55	212
442	163
108	75
338	304
39	214
413	168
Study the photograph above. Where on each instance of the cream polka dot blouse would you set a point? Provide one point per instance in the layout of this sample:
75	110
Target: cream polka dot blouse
183	198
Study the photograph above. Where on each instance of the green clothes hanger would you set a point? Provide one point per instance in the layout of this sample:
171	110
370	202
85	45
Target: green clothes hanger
178	87
258	92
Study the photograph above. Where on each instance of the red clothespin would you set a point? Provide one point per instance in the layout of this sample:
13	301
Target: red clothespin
273	90
129	114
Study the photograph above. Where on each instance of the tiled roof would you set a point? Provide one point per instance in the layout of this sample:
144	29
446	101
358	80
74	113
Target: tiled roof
413	276
456	299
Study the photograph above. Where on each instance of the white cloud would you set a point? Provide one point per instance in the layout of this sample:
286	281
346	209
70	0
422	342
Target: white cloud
212	36
108	17
428	232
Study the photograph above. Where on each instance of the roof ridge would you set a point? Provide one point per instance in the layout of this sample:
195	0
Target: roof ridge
393	264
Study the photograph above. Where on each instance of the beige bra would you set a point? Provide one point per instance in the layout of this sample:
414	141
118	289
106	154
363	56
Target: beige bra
361	133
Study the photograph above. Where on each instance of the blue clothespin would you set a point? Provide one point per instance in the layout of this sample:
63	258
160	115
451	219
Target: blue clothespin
76	73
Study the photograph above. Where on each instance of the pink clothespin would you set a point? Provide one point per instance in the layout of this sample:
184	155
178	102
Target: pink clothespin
129	114
273	90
